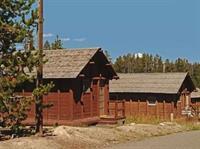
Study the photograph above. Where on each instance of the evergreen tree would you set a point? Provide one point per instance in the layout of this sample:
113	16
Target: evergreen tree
57	44
17	23
130	63
47	45
196	74
119	64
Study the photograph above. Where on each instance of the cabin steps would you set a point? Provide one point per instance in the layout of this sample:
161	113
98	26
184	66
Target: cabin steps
112	120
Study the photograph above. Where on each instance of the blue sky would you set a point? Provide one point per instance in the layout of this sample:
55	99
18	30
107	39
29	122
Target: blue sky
170	28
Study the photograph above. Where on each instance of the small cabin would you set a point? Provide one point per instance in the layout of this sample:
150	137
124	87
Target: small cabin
154	94
81	92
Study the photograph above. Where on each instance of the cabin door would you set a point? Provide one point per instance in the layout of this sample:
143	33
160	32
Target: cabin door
101	97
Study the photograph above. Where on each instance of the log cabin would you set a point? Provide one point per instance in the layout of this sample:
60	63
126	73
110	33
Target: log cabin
161	95
81	86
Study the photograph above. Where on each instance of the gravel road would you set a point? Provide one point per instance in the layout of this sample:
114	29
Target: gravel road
186	140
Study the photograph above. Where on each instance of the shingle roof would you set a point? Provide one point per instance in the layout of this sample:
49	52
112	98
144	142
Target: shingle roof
196	93
168	83
66	63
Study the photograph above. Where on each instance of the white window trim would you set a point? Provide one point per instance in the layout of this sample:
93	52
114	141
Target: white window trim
151	104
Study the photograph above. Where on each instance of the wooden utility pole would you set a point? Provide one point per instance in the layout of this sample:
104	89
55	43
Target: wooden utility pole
39	82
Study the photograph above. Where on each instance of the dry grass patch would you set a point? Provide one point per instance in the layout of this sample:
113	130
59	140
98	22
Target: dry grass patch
143	120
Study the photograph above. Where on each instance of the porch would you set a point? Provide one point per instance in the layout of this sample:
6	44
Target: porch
115	113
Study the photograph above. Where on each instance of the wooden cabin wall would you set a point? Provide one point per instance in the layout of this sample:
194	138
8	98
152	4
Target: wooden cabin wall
195	101
71	103
70	106
65	110
137	105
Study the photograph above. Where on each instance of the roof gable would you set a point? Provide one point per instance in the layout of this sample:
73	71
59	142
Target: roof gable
166	83
68	63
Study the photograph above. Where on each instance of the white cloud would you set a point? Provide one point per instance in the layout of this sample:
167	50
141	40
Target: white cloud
65	39
139	55
48	35
79	39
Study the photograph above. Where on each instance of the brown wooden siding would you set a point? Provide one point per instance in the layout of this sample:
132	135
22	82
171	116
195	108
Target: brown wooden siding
162	109
65	109
72	105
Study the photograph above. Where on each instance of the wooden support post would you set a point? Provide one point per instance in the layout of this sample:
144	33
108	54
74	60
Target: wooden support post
181	101
131	107
82	109
157	108
116	109
108	104
172	107
123	106
91	104
58	116
106	98
147	108
172	111
164	116
138	107
71	104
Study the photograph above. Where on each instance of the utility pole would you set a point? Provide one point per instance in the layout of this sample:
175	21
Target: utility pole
39	82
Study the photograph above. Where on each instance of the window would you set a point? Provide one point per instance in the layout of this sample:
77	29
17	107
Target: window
151	102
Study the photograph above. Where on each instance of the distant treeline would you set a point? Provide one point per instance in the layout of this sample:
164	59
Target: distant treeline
133	63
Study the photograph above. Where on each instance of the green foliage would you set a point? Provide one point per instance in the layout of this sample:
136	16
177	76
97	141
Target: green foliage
43	90
57	44
15	109
196	73
47	45
131	63
17	23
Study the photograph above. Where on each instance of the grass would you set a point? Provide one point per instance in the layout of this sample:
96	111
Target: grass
188	124
193	127
143	120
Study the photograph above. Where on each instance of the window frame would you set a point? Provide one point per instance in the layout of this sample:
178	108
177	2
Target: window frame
152	102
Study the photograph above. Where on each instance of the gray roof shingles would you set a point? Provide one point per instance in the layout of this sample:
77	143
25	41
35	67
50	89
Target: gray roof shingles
167	83
66	63
196	93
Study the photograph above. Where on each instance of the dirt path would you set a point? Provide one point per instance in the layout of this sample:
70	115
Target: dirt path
66	137
186	140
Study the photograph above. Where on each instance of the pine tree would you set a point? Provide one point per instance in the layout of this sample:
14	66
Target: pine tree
47	45
17	23
119	64
57	44
130	63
